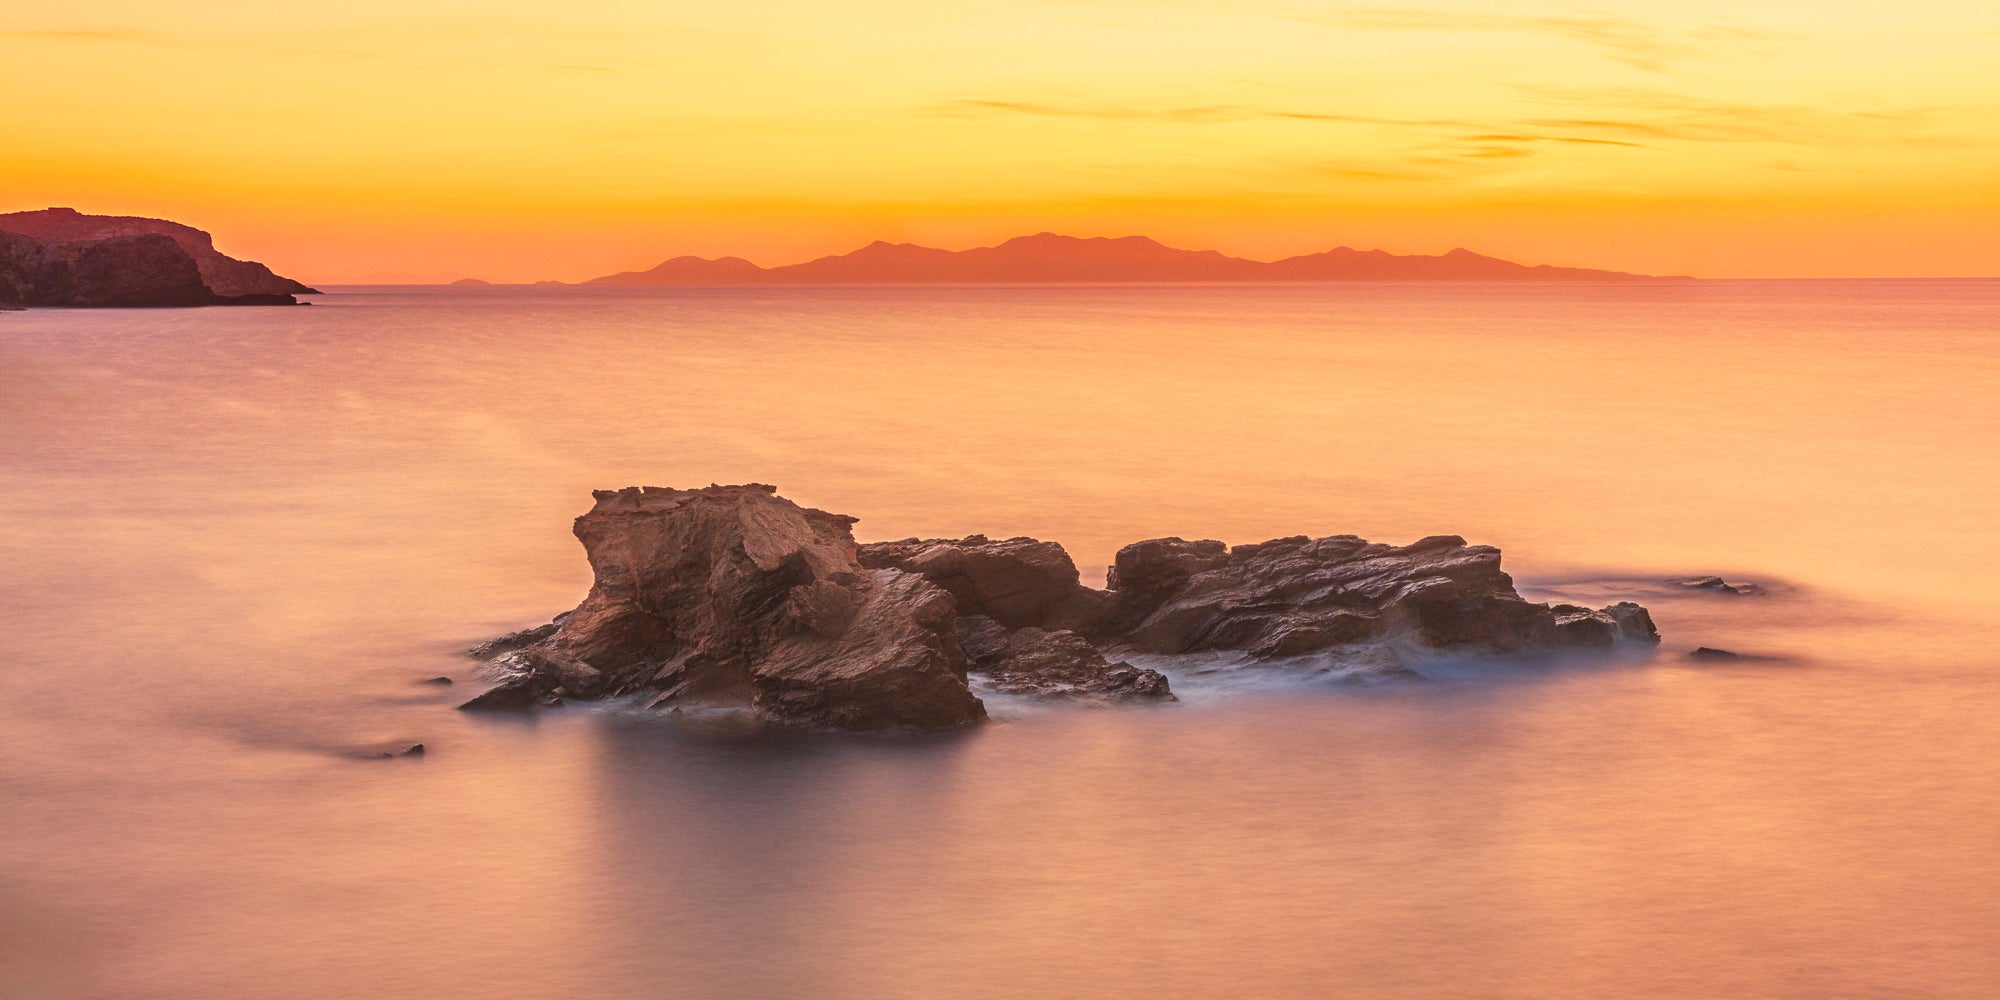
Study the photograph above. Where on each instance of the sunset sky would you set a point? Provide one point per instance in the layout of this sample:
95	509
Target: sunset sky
430	139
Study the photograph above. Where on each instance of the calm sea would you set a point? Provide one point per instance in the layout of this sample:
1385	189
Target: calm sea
231	540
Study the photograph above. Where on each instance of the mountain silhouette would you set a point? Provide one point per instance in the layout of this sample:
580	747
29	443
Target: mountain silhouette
1049	258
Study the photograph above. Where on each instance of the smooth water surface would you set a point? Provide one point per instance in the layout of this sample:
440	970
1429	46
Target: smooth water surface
232	540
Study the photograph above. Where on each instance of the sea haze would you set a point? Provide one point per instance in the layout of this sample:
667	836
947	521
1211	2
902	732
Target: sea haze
233	540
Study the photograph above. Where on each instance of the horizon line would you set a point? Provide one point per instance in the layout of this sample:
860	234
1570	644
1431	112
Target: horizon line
474	282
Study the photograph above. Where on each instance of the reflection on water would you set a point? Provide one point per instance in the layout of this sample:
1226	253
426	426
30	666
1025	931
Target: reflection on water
233	540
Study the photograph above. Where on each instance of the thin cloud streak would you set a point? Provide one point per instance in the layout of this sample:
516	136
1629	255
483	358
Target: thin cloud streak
1230	113
158	40
1634	43
1698	119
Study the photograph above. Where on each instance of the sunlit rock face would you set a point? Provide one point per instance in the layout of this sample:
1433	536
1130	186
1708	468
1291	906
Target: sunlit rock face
1016	582
734	595
1020	606
1299	595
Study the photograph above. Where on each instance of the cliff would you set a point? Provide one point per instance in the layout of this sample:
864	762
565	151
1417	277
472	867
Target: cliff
224	275
145	270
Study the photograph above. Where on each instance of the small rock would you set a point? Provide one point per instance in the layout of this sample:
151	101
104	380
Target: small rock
409	750
1716	585
1712	655
513	694
438	681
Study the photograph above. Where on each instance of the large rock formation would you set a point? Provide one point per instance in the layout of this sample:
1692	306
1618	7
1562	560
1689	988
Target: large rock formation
60	257
734	595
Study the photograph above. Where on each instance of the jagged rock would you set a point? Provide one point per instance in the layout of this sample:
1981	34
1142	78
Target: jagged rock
1061	664
511	641
1299	595
1016	582
734	595
1622	622
516	693
1716	585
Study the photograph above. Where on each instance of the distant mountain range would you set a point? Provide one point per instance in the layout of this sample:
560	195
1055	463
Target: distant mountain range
1049	258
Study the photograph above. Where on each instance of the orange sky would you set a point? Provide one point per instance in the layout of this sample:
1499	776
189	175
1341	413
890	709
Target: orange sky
433	139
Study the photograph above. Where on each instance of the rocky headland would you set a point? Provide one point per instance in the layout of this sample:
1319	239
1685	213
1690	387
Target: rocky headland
61	257
733	595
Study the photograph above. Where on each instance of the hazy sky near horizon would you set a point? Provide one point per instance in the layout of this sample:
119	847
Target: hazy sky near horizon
432	139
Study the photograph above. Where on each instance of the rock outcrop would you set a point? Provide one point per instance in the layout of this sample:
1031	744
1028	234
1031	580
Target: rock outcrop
59	257
1017	582
1299	595
733	595
1052	664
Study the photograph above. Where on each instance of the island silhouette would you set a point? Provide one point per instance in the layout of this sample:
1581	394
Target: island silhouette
62	257
1051	258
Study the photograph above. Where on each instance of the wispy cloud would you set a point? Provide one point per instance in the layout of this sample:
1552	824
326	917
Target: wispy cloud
123	36
1625	40
169	42
1483	134
1553	138
1413	149
1668	115
1199	113
978	107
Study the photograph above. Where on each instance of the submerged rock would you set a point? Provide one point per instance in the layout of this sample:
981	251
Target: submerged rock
1058	664
1712	655
1300	595
1716	585
732	594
